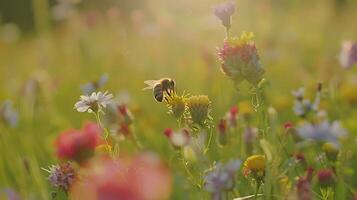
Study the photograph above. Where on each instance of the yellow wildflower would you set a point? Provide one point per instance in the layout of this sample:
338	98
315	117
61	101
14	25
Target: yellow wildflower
199	108
254	167
176	105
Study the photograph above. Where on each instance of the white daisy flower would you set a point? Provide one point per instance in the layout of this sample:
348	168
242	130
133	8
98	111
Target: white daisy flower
94	102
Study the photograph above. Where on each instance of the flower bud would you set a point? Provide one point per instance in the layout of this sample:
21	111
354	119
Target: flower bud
331	151
125	115
179	138
224	13
232	116
326	177
168	132
222	132
189	154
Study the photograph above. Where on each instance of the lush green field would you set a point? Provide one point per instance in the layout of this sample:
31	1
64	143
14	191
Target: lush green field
298	43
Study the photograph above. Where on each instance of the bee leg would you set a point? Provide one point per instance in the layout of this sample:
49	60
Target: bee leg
166	99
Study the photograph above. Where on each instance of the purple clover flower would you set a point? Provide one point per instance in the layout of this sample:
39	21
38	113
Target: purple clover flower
62	176
224	12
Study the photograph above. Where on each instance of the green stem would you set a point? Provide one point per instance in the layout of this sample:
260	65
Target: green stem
190	173
136	141
209	141
227	33
257	190
106	133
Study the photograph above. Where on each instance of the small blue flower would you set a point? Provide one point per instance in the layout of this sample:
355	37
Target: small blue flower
93	86
323	131
303	106
8	115
222	178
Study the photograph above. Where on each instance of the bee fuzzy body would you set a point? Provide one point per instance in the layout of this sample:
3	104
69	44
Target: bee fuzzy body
161	88
158	92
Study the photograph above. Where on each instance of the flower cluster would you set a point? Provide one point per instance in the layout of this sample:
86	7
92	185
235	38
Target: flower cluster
221	178
78	145
142	177
240	60
323	131
303	106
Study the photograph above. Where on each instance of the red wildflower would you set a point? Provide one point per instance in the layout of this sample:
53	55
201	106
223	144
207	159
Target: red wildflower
303	186
124	129
288	125
143	177
222	126
168	132
78	145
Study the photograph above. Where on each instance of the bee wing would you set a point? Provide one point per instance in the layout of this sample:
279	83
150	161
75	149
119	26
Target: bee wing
150	84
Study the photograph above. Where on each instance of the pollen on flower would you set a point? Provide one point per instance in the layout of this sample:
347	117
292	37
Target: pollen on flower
244	38
176	105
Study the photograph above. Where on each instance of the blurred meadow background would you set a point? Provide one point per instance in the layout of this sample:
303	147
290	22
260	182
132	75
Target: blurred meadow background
50	48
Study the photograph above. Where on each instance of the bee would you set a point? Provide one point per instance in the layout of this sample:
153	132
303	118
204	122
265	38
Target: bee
161	88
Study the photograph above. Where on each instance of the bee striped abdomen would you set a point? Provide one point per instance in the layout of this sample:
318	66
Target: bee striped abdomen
158	92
